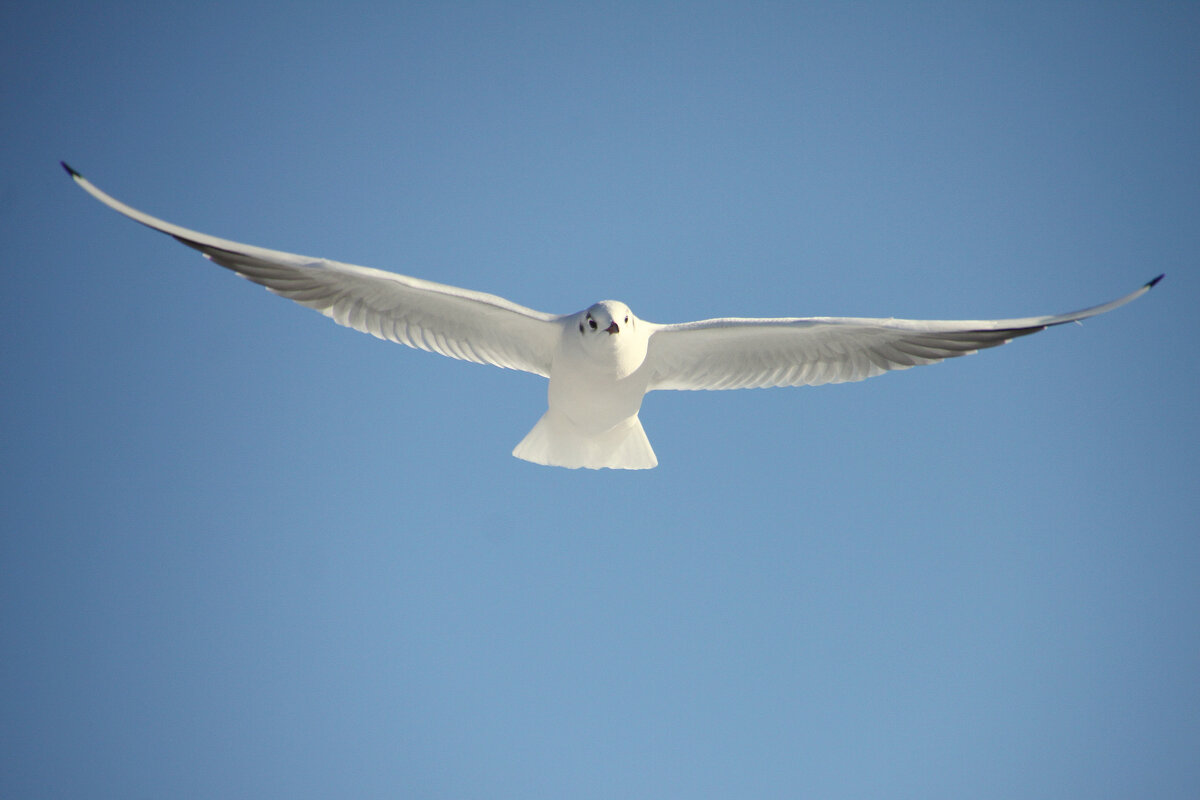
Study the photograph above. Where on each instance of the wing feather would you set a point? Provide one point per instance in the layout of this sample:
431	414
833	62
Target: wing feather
753	353
459	323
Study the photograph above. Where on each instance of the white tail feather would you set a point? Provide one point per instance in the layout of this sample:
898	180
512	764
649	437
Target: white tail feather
556	442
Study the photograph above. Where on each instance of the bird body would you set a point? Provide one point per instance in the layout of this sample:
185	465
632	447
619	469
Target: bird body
598	378
601	361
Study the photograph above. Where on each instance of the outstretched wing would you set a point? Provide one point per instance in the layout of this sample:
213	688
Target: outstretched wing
754	353
454	322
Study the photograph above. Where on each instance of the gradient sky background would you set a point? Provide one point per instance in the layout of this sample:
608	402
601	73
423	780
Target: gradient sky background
247	553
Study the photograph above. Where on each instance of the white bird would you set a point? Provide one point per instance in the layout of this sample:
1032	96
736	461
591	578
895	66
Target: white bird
601	361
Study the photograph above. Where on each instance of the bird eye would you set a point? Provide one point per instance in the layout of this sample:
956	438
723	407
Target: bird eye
627	320
592	323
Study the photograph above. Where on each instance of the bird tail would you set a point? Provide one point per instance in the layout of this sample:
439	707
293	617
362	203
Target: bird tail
557	442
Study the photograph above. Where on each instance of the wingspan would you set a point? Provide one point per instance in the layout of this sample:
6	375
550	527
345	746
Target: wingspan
454	322
754	353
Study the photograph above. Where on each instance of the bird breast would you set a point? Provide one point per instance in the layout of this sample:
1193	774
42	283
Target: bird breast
598	383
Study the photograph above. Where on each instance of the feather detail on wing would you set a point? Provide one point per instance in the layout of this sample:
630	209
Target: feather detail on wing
454	322
755	353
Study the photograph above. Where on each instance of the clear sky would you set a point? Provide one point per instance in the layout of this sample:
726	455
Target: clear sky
247	553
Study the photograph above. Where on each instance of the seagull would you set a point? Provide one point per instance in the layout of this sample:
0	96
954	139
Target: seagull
601	361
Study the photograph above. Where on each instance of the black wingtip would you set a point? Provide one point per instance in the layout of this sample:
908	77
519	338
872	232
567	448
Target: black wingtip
1155	281
69	170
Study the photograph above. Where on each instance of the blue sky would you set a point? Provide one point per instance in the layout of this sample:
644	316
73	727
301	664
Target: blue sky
247	553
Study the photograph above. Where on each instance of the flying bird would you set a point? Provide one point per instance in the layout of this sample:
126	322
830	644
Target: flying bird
601	361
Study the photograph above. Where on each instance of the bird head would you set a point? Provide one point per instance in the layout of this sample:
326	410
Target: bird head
606	318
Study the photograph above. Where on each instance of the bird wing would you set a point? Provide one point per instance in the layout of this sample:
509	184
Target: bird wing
754	353
454	322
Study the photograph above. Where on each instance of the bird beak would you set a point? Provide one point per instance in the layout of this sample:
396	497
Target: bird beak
612	327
